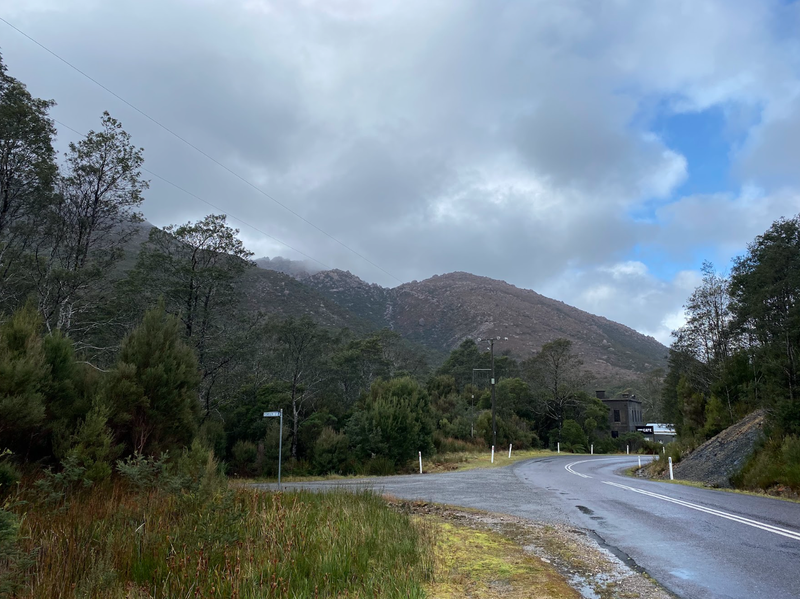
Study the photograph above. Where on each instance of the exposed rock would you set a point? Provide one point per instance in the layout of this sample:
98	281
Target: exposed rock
719	458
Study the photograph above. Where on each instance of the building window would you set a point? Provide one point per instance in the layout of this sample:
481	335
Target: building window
616	415
614	434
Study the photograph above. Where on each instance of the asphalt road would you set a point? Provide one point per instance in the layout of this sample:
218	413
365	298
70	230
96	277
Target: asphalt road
698	543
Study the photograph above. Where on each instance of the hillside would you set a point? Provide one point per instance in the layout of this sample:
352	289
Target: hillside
443	311
722	456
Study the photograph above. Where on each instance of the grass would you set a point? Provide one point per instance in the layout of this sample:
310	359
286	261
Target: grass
443	462
698	485
451	462
239	543
475	563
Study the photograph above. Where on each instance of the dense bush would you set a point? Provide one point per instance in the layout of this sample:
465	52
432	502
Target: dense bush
775	466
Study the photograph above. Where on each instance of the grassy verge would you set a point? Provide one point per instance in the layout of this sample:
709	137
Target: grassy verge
476	563
443	462
691	483
238	543
451	462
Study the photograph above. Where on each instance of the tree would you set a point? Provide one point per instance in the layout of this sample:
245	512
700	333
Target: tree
707	334
462	360
91	219
27	173
393	421
299	357
152	390
193	267
557	378
765	287
24	373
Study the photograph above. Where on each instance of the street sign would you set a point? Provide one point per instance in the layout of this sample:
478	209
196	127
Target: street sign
278	414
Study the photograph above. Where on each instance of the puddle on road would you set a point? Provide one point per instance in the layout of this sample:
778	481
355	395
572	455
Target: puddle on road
585	510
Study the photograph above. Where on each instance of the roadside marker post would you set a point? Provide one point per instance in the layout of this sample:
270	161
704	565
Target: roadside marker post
640	461
509	451
670	469
420	462
492	454
591	449
558	447
628	449
280	441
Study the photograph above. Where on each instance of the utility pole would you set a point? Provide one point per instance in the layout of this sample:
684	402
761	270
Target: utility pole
494	419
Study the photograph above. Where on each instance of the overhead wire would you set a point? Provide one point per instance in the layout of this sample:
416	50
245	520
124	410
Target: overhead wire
200	151
215	207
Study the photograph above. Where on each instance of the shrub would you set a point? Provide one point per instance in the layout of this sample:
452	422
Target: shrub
244	458
774	466
393	420
379	466
572	437
330	451
9	477
142	471
445	444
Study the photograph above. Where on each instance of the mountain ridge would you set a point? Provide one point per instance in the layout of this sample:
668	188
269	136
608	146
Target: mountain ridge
442	311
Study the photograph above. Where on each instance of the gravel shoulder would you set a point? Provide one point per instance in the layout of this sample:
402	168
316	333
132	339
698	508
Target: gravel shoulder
586	567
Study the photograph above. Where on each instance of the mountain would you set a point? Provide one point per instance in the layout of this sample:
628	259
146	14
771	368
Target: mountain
443	311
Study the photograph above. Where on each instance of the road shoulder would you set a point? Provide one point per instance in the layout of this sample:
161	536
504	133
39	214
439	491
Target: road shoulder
557	560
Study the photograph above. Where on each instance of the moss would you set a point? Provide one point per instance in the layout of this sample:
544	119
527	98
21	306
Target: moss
475	563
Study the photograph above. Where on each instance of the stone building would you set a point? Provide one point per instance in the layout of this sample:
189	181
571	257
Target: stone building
624	412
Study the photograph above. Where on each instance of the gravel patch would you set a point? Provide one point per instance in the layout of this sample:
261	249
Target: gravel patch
594	571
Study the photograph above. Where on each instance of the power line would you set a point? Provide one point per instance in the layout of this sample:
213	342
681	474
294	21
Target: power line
227	213
194	147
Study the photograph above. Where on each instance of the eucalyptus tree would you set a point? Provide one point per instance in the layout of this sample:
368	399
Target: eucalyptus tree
765	288
194	267
27	173
92	217
558	380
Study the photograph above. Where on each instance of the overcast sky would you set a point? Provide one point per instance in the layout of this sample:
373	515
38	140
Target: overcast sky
594	151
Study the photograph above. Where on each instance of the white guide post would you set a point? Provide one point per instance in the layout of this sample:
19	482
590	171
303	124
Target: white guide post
591	449
558	447
420	462
640	461
492	454
670	469
509	451
628	449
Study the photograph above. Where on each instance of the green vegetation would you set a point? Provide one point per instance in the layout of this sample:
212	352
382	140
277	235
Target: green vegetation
738	352
118	541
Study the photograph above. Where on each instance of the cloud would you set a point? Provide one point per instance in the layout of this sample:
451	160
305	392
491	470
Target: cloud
508	139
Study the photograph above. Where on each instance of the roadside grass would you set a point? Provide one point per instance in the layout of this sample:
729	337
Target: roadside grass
115	543
475	563
442	462
455	461
691	483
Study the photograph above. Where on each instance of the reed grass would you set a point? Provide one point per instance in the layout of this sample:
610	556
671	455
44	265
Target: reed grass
114	542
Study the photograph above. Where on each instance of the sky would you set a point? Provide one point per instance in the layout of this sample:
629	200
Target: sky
595	152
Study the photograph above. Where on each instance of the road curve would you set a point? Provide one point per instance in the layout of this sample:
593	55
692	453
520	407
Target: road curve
698	543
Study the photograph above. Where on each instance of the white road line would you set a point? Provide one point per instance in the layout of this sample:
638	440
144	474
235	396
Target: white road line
569	469
740	519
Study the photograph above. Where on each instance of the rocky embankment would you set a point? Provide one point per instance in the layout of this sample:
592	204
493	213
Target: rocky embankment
719	458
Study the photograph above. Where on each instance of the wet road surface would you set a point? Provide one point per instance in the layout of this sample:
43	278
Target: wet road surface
698	543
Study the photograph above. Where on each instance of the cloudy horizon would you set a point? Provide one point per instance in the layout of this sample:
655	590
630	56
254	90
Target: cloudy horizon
596	153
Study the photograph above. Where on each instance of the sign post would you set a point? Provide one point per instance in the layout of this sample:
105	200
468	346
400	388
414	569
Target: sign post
280	441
